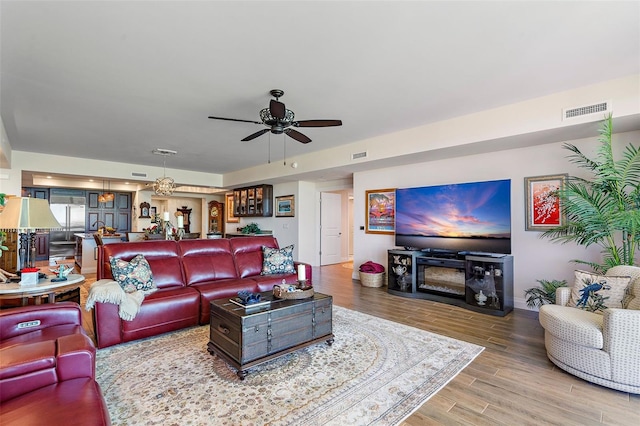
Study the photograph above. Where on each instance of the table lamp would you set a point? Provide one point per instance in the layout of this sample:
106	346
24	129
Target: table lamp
25	215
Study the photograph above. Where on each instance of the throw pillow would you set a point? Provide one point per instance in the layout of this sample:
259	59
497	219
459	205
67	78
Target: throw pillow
133	275
631	298
277	261
594	292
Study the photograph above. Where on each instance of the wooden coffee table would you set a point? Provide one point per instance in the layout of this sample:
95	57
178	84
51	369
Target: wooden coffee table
245	337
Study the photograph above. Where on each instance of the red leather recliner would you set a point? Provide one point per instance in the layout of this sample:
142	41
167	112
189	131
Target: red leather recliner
46	356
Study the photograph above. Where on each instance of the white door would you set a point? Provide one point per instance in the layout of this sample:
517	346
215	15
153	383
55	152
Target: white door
331	228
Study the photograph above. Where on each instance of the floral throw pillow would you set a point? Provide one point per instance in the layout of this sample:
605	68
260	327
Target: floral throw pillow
595	293
133	275
277	261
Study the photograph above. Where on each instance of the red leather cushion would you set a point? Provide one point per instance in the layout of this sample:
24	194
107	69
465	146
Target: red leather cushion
163	311
72	402
207	260
248	253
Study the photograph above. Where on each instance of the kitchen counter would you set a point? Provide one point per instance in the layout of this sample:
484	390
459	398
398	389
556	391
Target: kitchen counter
86	256
104	236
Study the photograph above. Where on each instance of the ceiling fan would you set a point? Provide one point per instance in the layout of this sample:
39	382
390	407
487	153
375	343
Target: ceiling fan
280	120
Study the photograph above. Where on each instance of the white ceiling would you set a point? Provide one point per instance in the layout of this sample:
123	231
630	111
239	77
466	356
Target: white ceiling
114	80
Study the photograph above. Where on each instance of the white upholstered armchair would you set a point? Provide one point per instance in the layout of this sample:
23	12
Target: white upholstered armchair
601	348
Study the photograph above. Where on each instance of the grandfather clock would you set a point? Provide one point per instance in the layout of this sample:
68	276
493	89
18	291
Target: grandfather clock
186	213
216	217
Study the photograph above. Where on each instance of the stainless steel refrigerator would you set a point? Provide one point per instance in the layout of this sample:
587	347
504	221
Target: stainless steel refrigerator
70	212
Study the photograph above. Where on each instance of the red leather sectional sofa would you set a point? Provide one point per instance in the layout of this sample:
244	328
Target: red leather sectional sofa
189	274
47	368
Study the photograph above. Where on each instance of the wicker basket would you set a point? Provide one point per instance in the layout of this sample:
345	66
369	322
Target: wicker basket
280	293
368	279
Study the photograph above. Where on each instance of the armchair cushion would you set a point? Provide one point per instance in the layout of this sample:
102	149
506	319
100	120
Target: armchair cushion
594	292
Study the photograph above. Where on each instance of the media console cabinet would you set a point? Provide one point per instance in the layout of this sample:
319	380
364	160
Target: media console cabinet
481	282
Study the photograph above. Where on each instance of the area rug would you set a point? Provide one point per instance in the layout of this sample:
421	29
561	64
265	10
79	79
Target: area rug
377	372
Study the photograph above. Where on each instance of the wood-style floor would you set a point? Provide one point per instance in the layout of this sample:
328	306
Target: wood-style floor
511	382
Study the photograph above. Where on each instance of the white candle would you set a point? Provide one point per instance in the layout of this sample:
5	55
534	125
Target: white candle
180	222
165	216
302	273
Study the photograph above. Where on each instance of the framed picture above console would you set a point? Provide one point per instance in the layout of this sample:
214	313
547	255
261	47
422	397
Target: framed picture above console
542	205
380	211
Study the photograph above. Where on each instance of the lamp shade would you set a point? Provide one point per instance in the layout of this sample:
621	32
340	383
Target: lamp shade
27	213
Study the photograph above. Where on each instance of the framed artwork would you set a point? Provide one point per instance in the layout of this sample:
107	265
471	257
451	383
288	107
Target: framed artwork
542	205
380	211
229	208
285	206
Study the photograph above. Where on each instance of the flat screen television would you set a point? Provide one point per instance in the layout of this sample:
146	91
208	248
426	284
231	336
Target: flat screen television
474	217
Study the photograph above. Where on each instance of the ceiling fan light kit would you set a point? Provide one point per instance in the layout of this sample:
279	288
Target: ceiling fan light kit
165	185
279	120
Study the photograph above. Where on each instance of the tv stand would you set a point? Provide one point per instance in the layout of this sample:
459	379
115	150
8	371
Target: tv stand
482	282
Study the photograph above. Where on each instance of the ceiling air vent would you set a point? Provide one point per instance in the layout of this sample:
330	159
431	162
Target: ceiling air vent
599	108
138	174
359	155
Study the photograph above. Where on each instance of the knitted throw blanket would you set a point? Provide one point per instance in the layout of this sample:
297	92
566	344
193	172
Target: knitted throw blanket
109	291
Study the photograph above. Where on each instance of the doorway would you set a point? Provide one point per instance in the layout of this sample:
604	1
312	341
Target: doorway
335	227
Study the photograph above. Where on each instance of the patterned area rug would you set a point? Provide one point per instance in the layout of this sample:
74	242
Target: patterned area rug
377	372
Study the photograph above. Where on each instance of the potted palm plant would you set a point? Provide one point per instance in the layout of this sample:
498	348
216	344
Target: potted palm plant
605	209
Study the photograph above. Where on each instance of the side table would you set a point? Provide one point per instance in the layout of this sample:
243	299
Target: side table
44	288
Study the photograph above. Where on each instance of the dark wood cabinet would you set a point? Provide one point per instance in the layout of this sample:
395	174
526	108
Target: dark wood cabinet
115	213
253	201
42	246
481	283
9	259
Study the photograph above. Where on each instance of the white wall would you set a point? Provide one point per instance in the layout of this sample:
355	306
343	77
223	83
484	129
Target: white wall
534	258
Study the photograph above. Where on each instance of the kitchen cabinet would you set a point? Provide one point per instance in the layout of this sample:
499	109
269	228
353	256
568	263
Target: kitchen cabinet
42	245
253	201
115	213
9	259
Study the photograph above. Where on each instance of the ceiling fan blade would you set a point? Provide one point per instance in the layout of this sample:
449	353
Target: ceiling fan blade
276	109
297	136
235	119
317	123
256	134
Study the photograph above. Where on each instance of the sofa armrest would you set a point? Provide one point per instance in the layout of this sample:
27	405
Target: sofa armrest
27	319
307	268
563	294
621	332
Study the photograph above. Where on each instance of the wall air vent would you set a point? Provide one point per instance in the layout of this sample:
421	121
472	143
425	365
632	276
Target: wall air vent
599	108
138	174
359	155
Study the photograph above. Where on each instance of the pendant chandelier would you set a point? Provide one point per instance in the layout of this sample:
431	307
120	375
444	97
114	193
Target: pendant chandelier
106	196
164	185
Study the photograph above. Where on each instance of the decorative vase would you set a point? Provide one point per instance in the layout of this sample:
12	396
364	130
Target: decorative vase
481	298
